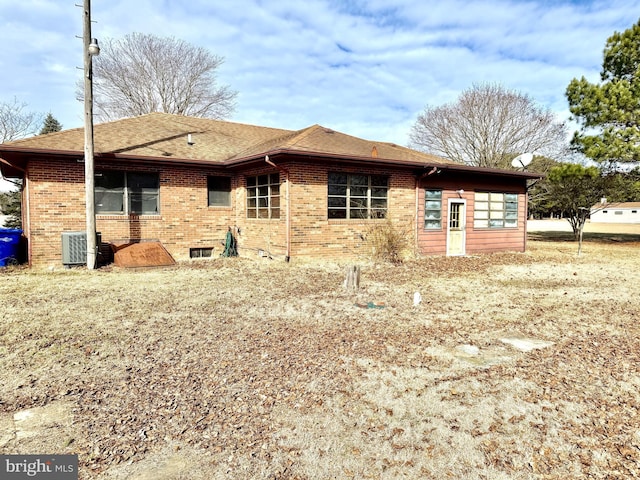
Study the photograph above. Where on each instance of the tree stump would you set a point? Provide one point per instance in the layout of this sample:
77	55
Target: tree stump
352	277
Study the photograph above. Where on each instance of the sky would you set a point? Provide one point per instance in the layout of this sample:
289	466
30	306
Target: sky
365	68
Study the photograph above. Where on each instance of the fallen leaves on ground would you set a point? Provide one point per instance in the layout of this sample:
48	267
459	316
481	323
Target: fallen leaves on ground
272	371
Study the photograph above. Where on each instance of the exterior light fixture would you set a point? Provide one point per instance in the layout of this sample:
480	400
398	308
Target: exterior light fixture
94	48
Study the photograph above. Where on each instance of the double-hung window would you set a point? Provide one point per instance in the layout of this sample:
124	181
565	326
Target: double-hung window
357	196
495	210
263	196
131	193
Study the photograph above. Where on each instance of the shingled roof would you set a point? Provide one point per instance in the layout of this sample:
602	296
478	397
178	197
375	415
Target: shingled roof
614	205
165	135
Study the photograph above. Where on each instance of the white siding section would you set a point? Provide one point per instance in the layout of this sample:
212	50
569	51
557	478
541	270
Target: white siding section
620	213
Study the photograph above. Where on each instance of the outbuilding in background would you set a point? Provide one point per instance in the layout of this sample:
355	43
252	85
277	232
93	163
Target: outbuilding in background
625	212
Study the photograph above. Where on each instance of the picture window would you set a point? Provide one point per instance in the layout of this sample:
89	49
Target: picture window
129	193
353	196
495	210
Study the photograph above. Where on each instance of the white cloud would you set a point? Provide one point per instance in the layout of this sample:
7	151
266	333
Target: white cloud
364	67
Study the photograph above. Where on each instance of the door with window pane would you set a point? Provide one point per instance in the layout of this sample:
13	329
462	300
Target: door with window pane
456	236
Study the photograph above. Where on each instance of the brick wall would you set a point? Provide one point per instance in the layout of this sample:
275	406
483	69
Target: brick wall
56	203
313	234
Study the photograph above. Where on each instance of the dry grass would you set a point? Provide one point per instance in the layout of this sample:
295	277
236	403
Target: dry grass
247	369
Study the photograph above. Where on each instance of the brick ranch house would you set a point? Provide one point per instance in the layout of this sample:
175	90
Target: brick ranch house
310	193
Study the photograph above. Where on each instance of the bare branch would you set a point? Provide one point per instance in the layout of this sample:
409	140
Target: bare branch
487	127
16	122
143	73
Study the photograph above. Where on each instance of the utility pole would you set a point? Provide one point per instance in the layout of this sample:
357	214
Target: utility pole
90	48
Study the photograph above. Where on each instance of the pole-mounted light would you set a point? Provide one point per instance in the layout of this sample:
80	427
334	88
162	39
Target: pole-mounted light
94	48
90	49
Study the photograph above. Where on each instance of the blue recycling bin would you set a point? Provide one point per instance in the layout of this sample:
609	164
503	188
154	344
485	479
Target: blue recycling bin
9	245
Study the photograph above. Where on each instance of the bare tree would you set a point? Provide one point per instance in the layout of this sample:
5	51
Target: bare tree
16	122
487	127
143	73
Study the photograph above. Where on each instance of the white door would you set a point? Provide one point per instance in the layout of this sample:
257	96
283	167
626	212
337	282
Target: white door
456	236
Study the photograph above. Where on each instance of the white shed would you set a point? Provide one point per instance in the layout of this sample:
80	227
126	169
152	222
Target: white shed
627	212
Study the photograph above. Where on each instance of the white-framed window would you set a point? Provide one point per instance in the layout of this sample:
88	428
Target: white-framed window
433	209
263	196
352	196
495	210
128	193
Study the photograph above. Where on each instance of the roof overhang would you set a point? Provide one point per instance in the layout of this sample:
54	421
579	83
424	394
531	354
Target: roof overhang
494	172
17	158
13	161
419	167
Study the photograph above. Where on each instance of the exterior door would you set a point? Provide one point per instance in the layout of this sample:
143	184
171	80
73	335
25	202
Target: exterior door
456	236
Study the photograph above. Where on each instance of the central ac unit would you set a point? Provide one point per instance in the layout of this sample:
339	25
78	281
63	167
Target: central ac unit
74	247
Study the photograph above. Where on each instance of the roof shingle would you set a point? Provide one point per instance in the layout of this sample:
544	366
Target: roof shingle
165	135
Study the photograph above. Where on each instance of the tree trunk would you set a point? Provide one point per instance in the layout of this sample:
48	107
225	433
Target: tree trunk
580	239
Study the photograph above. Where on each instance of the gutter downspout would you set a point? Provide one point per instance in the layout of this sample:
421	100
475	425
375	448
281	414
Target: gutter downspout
26	216
418	179
288	221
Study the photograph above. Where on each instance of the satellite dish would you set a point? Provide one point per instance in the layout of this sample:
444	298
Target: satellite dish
522	160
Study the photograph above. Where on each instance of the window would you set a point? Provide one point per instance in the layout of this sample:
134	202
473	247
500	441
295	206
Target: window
495	210
219	191
433	209
206	252
357	196
455	219
135	193
263	196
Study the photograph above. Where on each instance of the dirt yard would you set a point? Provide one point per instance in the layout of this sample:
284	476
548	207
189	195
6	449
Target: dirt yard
512	366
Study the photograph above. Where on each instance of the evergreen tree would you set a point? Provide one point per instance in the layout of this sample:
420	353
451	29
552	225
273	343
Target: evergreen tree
50	125
609	112
10	203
